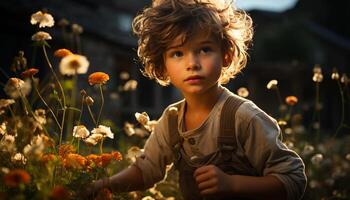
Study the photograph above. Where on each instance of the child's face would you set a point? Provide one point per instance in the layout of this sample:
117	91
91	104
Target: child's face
195	66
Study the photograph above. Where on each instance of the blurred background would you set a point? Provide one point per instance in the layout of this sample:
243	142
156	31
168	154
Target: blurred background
291	37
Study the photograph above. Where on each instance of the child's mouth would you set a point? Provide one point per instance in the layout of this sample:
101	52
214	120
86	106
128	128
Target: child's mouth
193	79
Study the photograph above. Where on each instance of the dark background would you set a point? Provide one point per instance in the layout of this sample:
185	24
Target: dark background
286	47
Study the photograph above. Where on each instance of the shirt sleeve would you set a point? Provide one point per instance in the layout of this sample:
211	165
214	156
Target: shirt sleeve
157	154
270	156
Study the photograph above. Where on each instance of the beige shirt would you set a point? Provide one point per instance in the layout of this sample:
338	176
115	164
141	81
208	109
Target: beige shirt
256	132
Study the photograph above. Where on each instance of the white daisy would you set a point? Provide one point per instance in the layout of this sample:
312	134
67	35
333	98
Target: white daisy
73	64
43	19
103	130
80	131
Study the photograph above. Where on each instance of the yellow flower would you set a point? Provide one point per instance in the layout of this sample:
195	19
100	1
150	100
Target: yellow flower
60	53
318	77
41	36
130	85
77	29
74	64
243	92
98	78
291	100
43	19
335	74
272	84
282	123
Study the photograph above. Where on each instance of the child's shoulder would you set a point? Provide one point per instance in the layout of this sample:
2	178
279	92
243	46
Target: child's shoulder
248	110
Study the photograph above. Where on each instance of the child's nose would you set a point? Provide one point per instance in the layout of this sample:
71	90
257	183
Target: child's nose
193	62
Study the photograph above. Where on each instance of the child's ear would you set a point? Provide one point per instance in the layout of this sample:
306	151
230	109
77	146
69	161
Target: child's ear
227	60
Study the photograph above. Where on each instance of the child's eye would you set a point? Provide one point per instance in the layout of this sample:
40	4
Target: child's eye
176	54
205	50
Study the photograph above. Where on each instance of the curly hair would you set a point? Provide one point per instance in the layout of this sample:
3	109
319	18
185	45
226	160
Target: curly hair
160	24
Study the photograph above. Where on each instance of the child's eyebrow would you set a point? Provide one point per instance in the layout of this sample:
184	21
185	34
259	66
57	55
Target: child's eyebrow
207	42
173	47
204	42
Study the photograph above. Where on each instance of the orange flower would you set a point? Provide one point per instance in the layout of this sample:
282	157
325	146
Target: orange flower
16	177
98	78
74	161
106	158
48	157
60	53
65	149
104	194
59	193
117	155
29	72
291	100
93	158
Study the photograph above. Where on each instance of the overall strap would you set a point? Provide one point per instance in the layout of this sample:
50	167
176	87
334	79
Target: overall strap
227	135
175	139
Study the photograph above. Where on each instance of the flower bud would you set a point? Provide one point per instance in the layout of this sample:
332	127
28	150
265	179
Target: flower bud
89	101
83	93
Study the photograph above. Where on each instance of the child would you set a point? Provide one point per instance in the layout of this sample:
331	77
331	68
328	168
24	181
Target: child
224	146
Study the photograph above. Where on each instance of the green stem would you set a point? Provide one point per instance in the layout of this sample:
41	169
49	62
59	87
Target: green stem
73	103
81	109
102	103
91	115
43	100
55	76
101	146
62	93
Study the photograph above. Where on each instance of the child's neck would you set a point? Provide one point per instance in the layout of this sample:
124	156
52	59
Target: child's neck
198	107
203	102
